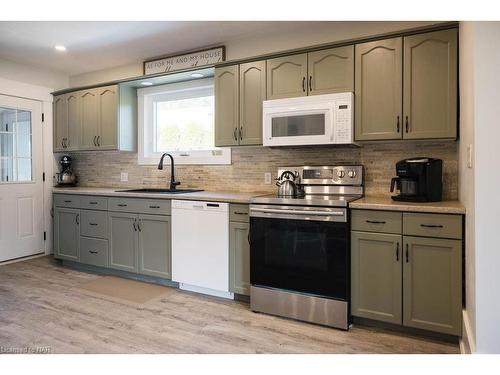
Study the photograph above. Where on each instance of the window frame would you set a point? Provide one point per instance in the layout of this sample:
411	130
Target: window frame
146	154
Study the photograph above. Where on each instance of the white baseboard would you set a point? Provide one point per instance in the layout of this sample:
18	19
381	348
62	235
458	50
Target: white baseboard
22	259
467	342
210	292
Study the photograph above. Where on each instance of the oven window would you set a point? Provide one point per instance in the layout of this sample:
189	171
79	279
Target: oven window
299	255
294	126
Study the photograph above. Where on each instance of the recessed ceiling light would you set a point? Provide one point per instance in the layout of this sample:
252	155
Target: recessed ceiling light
196	75
60	48
145	83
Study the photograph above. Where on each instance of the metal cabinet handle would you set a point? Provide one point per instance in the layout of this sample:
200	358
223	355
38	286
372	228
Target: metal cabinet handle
397	252
93	202
407	124
77	218
310	83
431	226
139	225
234	134
95	144
397	124
241	133
407	254
304	84
154	206
121	205
375	222
135	225
93	224
62	142
99	140
93	252
240	213
68	201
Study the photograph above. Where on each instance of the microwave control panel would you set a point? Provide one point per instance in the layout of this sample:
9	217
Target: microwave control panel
343	121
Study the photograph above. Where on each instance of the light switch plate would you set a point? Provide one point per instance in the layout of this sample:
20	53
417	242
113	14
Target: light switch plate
267	178
123	176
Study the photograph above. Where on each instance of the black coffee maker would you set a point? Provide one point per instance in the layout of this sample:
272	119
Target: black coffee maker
418	180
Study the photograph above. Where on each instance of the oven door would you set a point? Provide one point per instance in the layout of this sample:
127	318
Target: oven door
304	250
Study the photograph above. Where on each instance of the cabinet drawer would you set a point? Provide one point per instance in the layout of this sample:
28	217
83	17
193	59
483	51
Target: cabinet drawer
93	203
376	221
239	212
432	225
141	206
94	251
94	224
67	200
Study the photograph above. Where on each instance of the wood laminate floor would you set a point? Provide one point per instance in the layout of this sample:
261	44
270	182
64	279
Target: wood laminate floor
42	306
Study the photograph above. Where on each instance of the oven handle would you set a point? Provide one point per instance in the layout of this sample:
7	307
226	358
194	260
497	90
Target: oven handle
299	212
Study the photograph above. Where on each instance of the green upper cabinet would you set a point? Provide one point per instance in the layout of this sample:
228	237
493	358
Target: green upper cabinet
331	71
154	245
108	117
287	76
430	85
89	120
239	93
378	90
432	284
376	276
252	94
103	118
226	106
60	122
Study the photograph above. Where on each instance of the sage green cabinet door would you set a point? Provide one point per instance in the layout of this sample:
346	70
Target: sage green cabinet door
67	233
252	93
60	122
376	276
239	258
286	76
226	106
73	119
155	245
89	124
331	71
378	90
107	137
430	85
123	241
432	284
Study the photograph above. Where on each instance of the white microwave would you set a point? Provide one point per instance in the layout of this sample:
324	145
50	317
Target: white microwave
309	120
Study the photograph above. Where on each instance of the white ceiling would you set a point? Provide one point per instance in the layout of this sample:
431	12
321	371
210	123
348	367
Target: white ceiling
100	45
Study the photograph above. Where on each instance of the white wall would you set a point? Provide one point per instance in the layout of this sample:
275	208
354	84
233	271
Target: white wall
487	184
304	36
32	75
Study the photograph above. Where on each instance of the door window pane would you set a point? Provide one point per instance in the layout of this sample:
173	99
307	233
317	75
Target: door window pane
15	145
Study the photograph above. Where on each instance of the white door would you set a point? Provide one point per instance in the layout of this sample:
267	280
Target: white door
21	184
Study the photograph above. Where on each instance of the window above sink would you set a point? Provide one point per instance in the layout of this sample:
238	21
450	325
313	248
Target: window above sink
178	118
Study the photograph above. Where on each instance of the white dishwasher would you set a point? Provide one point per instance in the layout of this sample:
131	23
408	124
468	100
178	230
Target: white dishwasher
200	247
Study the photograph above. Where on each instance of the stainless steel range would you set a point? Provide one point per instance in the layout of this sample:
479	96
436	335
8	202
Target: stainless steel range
300	246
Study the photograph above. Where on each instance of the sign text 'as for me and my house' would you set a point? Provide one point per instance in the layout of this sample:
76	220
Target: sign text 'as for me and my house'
186	61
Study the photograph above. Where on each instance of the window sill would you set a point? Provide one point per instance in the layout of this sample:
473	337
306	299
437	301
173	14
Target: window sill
224	159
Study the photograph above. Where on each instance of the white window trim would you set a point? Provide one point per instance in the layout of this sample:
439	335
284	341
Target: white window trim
146	155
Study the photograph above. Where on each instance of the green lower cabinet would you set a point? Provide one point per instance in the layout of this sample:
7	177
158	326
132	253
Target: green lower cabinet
94	251
239	258
67	233
123	241
154	245
376	275
432	284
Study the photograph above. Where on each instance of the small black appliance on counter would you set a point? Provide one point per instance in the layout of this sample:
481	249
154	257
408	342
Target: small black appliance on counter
418	180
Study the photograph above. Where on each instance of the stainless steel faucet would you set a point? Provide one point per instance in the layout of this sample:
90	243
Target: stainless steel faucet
173	183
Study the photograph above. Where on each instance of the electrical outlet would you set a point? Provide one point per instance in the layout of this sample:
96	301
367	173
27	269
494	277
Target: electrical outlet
123	176
469	156
267	178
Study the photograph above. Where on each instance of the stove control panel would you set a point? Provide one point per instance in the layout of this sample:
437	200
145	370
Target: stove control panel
328	175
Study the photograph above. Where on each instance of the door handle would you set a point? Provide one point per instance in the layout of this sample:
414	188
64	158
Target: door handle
304	84
407	124
397	125
397	252
310	83
407	254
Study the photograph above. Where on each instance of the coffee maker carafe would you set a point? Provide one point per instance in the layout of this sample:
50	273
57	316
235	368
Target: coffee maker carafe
418	180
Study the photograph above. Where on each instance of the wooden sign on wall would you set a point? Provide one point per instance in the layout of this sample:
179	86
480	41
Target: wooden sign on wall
185	61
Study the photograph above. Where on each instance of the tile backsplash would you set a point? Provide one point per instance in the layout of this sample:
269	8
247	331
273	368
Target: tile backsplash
246	173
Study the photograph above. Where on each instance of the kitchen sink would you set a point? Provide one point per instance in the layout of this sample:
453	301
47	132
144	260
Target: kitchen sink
159	191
